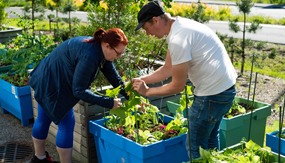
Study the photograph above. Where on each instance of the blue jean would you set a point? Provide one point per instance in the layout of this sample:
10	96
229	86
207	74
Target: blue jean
205	116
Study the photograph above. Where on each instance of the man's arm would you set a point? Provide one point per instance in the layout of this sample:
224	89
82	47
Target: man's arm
161	73
179	77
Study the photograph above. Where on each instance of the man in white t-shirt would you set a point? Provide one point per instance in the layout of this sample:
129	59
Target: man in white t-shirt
194	50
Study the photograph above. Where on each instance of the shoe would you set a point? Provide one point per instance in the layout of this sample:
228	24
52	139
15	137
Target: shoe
46	160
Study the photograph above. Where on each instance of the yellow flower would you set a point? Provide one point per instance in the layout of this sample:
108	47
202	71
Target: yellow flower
103	5
128	93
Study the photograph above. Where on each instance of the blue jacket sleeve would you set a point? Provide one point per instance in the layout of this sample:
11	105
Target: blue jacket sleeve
113	77
84	73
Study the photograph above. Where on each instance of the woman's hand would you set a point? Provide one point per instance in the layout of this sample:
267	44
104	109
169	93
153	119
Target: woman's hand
117	103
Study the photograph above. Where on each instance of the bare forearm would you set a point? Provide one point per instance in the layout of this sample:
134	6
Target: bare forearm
165	90
157	76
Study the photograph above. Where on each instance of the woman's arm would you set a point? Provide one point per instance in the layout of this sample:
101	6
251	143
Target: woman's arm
113	77
84	71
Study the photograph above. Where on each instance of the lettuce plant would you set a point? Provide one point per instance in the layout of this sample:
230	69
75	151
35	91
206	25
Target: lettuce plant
141	122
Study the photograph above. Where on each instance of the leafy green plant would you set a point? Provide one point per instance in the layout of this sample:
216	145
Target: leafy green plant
15	79
28	51
272	54
5	58
3	14
249	153
236	109
145	126
183	101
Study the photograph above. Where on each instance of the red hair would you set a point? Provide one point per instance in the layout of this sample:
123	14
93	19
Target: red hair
113	37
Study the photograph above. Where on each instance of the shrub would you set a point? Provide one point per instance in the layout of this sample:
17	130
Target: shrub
272	54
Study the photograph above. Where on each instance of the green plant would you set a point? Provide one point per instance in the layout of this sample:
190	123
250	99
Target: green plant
244	7
36	6
249	153
5	58
15	79
236	109
183	101
144	127
69	7
272	54
28	51
3	14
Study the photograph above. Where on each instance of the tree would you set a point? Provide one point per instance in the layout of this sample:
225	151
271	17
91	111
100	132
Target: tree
69	7
244	7
200	14
36	6
58	5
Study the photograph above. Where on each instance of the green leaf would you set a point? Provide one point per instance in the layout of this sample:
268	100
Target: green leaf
204	153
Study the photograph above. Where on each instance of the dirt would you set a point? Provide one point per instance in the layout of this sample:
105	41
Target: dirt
268	90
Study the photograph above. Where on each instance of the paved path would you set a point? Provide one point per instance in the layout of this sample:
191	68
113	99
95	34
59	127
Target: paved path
269	33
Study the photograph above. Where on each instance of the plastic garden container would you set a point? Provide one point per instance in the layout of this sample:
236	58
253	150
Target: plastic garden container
17	101
272	141
112	147
232	130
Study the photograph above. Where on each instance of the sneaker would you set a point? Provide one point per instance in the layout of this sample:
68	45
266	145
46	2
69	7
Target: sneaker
46	160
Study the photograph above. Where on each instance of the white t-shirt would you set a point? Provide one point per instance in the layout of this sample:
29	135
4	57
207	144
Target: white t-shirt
210	69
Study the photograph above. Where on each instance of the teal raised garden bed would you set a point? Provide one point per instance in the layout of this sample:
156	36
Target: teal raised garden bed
17	101
232	130
112	147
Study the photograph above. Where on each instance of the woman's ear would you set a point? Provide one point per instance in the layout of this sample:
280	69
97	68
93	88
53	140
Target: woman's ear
107	45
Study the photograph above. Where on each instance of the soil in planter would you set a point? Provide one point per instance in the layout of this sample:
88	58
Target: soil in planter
236	112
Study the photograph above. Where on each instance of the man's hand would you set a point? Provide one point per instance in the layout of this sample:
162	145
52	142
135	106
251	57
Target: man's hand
140	86
117	103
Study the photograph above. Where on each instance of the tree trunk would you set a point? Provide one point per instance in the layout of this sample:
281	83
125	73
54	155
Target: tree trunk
33	17
243	46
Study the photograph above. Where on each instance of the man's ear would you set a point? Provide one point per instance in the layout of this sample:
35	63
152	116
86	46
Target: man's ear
155	19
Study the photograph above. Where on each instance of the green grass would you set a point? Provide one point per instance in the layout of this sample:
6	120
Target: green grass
41	25
16	3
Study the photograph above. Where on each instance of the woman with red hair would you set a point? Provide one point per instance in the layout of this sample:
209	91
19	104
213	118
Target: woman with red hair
62	79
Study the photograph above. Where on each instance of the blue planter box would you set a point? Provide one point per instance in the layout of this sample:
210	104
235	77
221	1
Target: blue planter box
272	141
112	147
17	101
